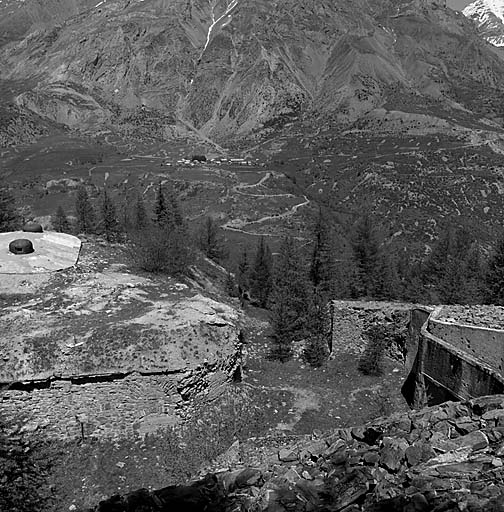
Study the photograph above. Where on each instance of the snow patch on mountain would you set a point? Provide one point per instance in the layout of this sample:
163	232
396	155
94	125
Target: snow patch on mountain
215	21
483	9
489	17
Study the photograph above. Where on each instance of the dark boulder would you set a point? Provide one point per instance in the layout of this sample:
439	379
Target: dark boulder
207	495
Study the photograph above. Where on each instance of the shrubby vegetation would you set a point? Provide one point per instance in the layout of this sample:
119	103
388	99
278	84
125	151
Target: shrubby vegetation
318	330
289	299
261	279
52	475
303	283
455	271
380	338
25	466
298	284
108	217
494	275
296	294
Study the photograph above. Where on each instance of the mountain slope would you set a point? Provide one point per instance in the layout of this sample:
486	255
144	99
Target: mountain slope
229	68
17	18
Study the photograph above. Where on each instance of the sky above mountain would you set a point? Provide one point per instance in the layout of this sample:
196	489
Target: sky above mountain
458	4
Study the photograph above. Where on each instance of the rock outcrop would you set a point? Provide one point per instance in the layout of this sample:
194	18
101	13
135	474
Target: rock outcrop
448	457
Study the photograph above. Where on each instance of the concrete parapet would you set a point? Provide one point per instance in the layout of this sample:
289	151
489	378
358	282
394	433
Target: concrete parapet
453	361
482	343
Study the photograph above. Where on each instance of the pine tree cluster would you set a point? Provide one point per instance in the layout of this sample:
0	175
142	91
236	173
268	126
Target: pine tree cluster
9	218
161	244
157	241
457	269
295	294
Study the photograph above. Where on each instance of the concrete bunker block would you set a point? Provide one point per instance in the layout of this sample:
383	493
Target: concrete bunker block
21	246
32	227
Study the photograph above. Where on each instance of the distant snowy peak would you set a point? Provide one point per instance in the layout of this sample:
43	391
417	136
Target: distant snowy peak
489	17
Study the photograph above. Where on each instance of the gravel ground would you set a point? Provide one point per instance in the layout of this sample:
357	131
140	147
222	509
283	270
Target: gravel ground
491	317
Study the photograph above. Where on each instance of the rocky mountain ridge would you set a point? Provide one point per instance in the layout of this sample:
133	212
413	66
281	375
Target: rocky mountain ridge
489	18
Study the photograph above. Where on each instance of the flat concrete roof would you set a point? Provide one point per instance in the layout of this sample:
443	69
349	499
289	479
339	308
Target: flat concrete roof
53	251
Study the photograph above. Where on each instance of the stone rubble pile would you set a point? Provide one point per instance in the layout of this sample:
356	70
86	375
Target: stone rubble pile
447	457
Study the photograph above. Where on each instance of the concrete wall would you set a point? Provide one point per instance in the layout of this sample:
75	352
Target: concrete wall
482	343
452	361
452	374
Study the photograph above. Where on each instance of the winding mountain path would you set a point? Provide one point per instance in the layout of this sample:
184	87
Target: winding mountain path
238	225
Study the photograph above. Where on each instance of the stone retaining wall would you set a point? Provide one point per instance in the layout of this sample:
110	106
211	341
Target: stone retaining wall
351	318
114	405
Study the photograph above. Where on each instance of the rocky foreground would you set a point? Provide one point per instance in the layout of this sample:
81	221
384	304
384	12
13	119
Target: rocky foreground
447	457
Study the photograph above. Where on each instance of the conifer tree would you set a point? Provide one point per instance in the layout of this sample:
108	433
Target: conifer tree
59	221
387	282
84	213
167	210
124	214
140	217
243	271
289	299
494	279
317	329
209	240
412	281
108	216
175	218
230	284
322	268
160	208
474	272
8	215
163	246
261	280
366	254
444	269
281	337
